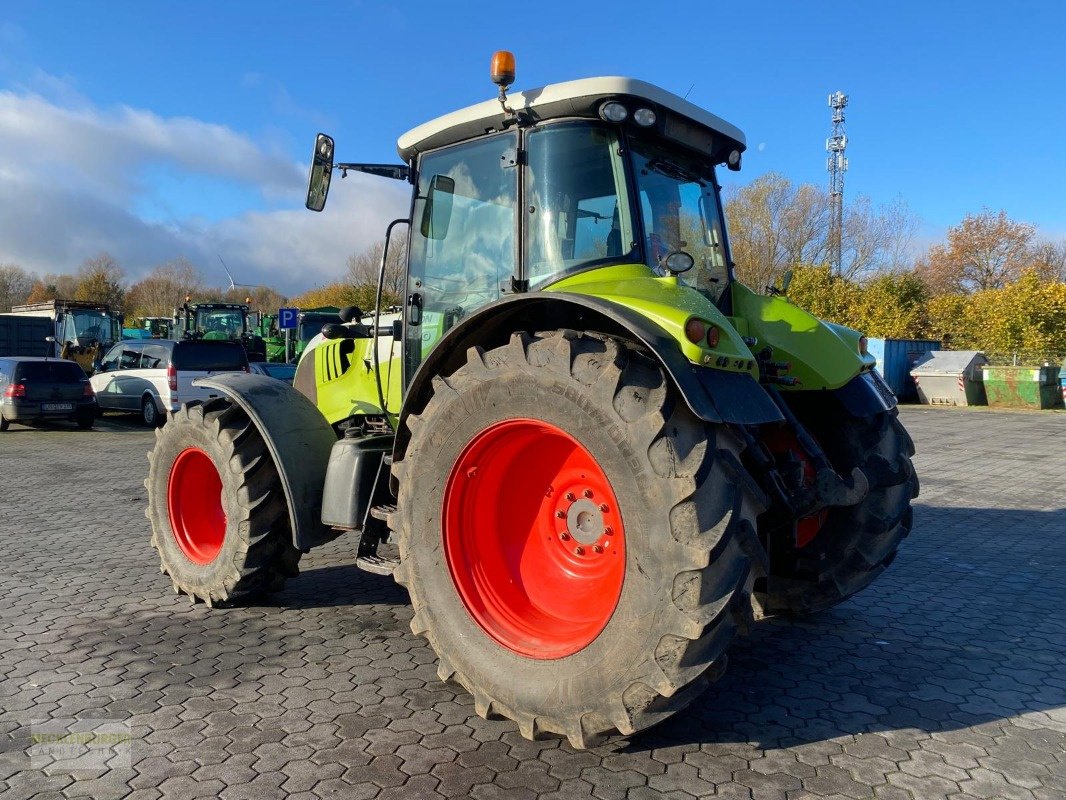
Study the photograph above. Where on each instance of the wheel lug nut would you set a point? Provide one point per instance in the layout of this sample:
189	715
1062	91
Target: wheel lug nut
608	531
588	493
579	550
597	549
571	496
564	536
560	514
603	507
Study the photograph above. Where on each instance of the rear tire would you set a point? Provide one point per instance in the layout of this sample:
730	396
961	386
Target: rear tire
85	422
218	513
4	424
533	630
150	415
856	543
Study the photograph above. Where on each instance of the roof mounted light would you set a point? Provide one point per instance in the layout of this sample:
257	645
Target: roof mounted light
502	68
733	161
613	111
644	117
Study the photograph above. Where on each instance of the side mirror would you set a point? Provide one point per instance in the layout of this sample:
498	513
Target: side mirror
786	281
321	171
437	213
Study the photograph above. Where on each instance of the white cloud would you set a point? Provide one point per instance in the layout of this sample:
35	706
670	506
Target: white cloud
75	175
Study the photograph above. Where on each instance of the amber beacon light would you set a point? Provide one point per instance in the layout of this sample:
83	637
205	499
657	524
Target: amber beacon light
502	68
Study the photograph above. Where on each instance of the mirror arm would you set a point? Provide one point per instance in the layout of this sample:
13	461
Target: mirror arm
400	172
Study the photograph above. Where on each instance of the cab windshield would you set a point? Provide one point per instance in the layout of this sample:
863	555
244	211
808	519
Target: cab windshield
581	212
90	327
229	323
679	206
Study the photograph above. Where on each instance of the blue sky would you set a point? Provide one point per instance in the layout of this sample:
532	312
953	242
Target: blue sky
159	129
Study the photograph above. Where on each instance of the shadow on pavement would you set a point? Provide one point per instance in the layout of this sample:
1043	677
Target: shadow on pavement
967	627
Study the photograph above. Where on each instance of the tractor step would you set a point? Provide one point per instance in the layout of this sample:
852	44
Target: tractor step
382	512
377	564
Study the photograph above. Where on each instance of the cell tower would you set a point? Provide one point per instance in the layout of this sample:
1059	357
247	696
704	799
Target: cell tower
837	164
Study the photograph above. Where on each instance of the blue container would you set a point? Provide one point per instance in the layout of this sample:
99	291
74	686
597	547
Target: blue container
895	360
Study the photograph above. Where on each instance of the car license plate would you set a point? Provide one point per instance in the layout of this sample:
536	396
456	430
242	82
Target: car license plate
57	406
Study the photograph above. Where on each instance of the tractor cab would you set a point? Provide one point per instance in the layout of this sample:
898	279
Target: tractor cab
522	194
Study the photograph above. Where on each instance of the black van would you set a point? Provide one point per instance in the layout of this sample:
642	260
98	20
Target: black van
43	390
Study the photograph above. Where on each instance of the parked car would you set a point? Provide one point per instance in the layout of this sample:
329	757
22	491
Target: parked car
153	376
283	372
44	390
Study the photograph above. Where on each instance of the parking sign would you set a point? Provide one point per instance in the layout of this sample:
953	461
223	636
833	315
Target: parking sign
287	317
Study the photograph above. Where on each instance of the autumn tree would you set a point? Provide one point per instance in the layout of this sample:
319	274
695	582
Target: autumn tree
338	295
985	251
258	298
99	280
53	287
15	285
164	288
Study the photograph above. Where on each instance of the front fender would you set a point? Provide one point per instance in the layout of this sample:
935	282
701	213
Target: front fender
712	395
298	438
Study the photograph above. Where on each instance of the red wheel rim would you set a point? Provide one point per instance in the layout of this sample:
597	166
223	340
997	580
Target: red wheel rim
534	538
194	502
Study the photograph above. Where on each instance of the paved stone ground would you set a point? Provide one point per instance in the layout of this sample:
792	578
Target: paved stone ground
944	679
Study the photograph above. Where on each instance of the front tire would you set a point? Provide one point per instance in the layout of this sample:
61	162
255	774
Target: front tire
579	547
855	543
215	501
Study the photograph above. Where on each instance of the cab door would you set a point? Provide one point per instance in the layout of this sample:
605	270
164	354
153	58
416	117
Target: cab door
462	249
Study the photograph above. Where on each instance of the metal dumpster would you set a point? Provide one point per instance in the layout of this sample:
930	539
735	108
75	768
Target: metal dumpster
895	358
950	378
1023	387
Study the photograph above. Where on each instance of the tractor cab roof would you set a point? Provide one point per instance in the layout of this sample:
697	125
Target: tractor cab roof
676	118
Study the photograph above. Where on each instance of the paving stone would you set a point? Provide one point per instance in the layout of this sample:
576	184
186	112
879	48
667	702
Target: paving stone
942	679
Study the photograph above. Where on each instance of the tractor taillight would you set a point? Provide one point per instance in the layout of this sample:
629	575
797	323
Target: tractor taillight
172	378
15	390
712	336
864	345
695	330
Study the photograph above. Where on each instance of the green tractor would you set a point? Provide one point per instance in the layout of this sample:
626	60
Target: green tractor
219	321
589	453
309	323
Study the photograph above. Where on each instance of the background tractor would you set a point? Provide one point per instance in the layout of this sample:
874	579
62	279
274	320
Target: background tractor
82	331
589	453
219	321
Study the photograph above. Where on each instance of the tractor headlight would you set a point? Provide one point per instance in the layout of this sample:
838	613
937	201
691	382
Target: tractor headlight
613	111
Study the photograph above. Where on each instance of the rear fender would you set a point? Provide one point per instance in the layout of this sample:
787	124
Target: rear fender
299	440
713	395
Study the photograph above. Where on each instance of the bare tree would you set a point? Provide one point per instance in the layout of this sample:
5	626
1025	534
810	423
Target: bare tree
164	288
775	225
363	268
15	285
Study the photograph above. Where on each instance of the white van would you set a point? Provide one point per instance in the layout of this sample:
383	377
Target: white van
153	376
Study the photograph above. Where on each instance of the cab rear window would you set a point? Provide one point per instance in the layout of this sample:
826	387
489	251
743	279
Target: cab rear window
214	356
57	371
